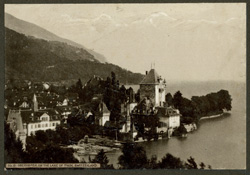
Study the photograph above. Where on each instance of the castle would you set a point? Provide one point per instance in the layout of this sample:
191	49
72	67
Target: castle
153	88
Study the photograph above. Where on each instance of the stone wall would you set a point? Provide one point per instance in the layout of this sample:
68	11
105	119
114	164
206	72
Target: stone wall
147	91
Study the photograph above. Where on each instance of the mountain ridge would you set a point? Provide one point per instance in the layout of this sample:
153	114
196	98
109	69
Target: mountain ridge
34	30
41	60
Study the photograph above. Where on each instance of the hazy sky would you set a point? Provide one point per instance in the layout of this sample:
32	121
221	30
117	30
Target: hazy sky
203	41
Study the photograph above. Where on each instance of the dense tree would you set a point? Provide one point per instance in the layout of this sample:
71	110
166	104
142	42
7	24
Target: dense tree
177	99
123	95
137	96
169	99
133	157
103	160
150	122
171	162
210	104
191	164
225	100
52	154
152	163
55	61
13	149
79	85
180	130
130	95
202	165
113	97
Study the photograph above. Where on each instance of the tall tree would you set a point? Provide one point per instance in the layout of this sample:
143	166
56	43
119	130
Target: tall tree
191	164
133	157
169	99
123	95
53	154
177	100
171	162
13	148
225	100
103	160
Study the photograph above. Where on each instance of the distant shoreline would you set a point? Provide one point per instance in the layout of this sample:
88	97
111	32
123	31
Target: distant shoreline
211	116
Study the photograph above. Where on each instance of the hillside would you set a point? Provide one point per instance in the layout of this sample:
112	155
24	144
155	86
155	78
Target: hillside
30	29
40	60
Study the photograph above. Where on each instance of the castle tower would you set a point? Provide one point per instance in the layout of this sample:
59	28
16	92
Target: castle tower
35	103
153	87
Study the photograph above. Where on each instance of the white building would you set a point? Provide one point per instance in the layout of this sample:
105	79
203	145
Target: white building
63	103
25	123
169	118
42	123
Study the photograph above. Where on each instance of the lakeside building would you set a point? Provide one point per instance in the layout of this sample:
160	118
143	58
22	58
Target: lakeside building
169	119
153	88
152	104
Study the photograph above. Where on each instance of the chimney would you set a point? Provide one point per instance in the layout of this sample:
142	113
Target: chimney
146	72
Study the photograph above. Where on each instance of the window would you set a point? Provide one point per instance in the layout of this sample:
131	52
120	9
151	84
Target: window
39	125
35	126
46	125
45	119
31	126
53	124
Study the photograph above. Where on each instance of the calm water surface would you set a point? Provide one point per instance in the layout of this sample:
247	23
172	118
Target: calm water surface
219	142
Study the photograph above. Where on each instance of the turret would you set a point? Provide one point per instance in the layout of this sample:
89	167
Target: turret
35	103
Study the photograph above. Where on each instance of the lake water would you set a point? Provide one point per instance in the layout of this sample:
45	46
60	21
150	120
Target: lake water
219	142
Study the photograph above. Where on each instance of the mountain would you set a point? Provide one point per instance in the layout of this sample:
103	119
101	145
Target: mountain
30	29
182	49
42	60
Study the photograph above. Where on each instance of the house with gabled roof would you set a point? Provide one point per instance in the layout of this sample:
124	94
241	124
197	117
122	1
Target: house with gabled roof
169	119
64	111
41	120
27	122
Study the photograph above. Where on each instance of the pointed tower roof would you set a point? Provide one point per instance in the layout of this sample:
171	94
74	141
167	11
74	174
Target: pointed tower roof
105	109
19	122
151	78
34	98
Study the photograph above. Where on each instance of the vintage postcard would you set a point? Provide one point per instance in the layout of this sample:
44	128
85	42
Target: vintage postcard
125	86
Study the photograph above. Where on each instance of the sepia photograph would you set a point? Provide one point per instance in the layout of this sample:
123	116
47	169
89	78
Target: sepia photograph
125	86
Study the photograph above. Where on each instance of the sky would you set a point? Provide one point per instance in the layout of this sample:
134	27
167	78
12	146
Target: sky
183	42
